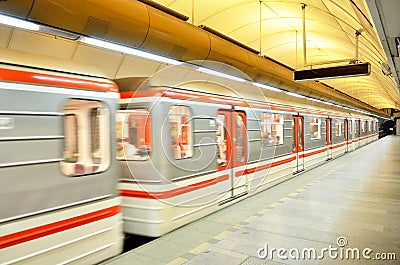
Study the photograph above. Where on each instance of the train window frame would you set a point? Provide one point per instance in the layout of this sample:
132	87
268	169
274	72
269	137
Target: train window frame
269	121
221	139
316	122
338	127
181	141
126	148
88	161
240	142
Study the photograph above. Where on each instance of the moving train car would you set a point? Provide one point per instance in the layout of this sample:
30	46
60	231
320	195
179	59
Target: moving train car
58	173
189	147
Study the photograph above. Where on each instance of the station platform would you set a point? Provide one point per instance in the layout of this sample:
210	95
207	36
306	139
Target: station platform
347	206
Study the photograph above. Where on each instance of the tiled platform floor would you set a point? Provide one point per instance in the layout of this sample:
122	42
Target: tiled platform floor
356	196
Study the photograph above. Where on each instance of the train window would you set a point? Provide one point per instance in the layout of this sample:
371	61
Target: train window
350	124
95	117
133	130
362	126
222	135
240	138
86	137
133	134
180	119
71	138
338	127
315	128
271	129
369	123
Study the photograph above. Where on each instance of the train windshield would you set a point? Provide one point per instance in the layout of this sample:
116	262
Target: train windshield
133	134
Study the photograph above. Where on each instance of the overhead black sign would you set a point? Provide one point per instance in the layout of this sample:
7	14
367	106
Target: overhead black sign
333	72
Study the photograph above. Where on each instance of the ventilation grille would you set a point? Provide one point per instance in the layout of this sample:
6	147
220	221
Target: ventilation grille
96	27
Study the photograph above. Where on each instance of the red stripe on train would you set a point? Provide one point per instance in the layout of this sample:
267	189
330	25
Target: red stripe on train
263	167
196	186
54	80
52	228
174	192
338	145
313	153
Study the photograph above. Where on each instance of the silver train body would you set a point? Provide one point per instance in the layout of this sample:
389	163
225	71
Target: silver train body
188	144
58	173
193	146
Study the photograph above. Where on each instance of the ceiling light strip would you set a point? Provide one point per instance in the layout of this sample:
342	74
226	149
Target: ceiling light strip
18	23
27	25
127	50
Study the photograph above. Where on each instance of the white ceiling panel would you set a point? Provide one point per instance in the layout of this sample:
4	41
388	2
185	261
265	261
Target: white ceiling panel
5	35
41	44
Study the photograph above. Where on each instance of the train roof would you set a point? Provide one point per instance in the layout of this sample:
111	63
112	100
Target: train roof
22	67
36	61
180	82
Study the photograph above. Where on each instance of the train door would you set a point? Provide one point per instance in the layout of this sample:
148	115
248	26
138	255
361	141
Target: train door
298	142
329	138
232	148
346	135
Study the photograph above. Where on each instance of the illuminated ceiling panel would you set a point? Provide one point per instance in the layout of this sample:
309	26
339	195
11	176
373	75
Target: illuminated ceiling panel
274	27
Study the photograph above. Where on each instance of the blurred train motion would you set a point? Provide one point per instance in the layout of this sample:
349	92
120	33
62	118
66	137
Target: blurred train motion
84	158
201	143
57	169
182	150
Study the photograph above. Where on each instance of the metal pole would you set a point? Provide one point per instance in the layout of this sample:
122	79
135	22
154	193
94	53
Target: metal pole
297	50
260	26
303	13
357	36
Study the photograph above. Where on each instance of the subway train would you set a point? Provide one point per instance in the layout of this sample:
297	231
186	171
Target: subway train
183	144
190	143
58	172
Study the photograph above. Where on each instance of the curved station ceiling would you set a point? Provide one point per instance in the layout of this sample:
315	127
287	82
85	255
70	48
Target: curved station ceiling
275	29
291	34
